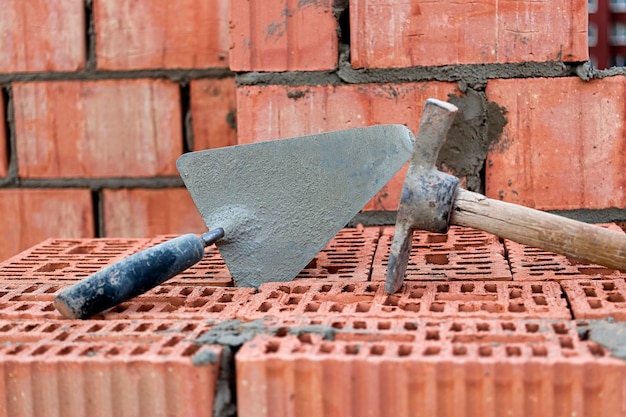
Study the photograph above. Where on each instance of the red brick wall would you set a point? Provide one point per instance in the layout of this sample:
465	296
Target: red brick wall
99	98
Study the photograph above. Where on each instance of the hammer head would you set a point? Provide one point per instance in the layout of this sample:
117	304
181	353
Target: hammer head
427	194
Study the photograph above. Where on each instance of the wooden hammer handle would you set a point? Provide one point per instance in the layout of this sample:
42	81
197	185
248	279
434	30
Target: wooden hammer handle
540	229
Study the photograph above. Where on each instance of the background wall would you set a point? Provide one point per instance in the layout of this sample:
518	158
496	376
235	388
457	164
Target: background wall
100	97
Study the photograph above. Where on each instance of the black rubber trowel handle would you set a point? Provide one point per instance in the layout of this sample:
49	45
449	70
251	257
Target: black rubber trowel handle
133	276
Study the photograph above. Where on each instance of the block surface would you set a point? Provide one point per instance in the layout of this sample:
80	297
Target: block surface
119	368
387	33
463	299
161	34
532	264
146	212
285	35
501	367
277	112
462	253
40	35
71	129
597	299
214	113
32	215
563	146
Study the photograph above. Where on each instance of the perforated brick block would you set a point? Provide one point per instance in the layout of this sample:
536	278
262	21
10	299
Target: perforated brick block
62	260
532	264
448	368
462	253
496	299
28	301
121	368
597	299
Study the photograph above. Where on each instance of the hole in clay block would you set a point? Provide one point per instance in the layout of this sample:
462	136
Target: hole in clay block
437	307
30	327
443	288
145	307
300	289
113	351
53	266
359	325
377	350
293	300
485	351
432	335
467	287
265	307
141	349
540	300
432	350
66	350
404	350
456	327
348	288
513	351
392	300
595	303
560	328
186	290
437	258
482	327
515	293
305	338
409	325
608	286
189	327
491	288
142	327
217	308
615	297
120	327
566	342
508	326
467	308
173	341
590	292
595	349
532	327
363	307
338	325
50	328
81	249
536	289
539	351
384	325
336	308
163	327
418	293
198	302
281	332
414	307
312	307
437	238
226	298
371	288
351	349
326	347
325	288
459	350
517	308
40	350
49	307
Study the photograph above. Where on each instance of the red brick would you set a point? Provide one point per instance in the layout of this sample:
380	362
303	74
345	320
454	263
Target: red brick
597	299
166	302
532	264
110	128
32	215
462	253
4	161
563	145
39	35
118	368
435	299
214	113
283	35
161	34
385	33
276	112
148	212
451	368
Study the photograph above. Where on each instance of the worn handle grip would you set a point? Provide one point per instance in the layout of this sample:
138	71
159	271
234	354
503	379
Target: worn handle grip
129	277
540	229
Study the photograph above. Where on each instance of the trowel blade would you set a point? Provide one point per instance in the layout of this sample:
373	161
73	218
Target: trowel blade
280	202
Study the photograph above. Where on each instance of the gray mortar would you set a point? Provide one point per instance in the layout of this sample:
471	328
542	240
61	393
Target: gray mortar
205	357
587	72
477	127
608	333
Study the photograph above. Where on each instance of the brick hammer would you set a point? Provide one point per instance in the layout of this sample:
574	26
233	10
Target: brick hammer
432	200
